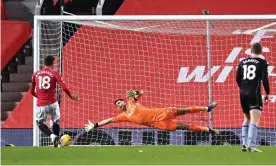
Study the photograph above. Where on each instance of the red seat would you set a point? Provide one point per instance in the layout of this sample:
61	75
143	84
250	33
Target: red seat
14	34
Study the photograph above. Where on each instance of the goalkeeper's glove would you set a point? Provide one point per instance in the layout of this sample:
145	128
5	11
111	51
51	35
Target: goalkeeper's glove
90	126
131	93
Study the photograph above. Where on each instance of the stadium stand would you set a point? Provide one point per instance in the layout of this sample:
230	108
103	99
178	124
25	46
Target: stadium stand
81	7
191	7
16	62
4	13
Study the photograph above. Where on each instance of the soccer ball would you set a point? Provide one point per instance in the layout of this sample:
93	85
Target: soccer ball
65	140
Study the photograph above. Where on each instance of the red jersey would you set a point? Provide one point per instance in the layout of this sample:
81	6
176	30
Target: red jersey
44	84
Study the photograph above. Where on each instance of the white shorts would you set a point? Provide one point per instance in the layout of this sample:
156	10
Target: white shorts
51	109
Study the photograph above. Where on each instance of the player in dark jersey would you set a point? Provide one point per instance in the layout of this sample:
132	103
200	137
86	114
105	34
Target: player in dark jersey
44	83
250	74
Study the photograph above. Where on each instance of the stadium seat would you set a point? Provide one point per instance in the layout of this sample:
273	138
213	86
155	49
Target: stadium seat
16	62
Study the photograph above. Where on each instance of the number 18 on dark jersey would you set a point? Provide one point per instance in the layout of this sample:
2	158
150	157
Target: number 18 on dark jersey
251	73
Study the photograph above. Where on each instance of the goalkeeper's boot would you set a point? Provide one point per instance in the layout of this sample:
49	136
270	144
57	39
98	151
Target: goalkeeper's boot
213	131
211	106
54	139
254	149
244	148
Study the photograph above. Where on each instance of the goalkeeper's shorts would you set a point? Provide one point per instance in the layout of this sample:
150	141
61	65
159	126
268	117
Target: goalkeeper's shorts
165	114
164	119
165	125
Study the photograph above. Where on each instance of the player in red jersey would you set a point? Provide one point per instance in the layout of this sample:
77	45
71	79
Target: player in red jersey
44	83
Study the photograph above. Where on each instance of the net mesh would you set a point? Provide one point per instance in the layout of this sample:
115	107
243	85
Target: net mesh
101	60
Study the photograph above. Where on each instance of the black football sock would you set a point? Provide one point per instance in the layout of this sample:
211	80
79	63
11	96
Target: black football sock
56	129
43	128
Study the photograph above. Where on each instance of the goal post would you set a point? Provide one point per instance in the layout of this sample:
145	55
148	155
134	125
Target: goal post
36	56
177	60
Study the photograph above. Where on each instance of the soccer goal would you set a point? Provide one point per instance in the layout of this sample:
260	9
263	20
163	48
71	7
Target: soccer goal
177	60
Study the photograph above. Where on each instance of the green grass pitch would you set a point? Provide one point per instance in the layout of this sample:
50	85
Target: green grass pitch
137	155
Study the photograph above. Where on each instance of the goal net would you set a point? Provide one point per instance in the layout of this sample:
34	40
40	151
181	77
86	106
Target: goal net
101	60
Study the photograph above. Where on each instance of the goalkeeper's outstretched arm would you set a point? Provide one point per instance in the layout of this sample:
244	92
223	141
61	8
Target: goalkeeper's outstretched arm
91	125
119	118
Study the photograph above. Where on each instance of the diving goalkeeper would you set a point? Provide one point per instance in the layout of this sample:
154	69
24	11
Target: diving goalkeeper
160	118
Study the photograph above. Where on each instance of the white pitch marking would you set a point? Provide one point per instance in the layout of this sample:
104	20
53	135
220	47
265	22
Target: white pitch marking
260	28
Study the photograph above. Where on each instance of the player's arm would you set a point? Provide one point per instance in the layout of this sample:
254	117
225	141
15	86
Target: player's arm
239	75
32	88
265	81
91	125
65	88
120	118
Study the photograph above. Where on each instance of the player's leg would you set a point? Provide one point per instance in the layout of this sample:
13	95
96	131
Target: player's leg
195	109
245	125
196	128
41	117
44	128
55	116
172	126
255	115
